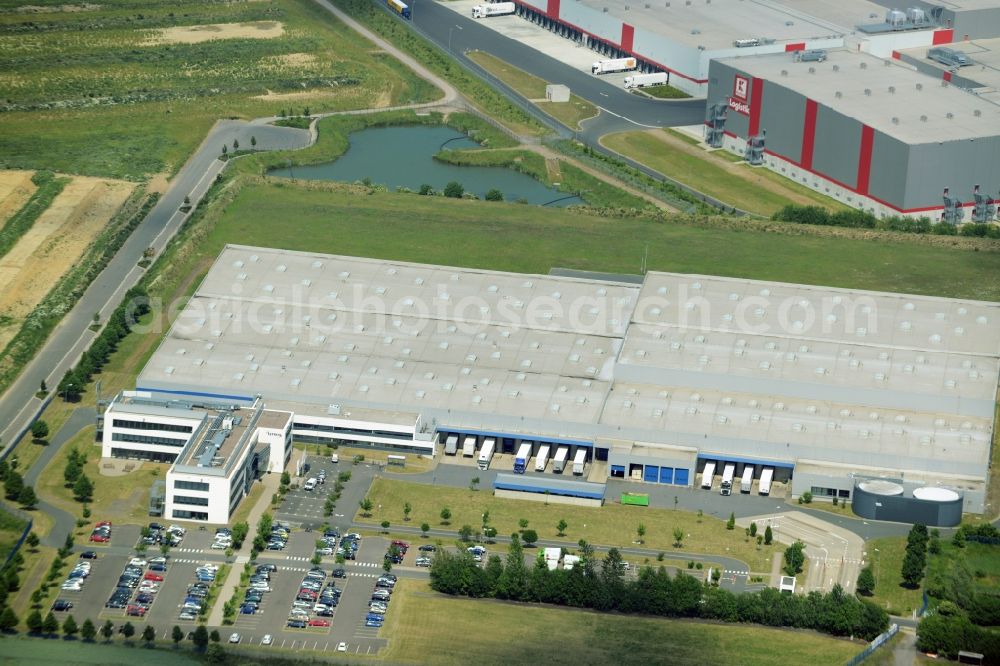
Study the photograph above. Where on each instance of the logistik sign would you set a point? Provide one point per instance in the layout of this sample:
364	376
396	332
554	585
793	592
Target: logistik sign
739	107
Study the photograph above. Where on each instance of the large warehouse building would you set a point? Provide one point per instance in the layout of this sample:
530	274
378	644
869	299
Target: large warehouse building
872	133
823	388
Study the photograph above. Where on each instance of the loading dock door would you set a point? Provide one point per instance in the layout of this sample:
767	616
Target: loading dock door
680	477
666	475
652	474
618	471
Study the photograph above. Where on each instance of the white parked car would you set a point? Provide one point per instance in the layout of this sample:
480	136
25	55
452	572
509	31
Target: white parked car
137	562
266	640
234	638
341	646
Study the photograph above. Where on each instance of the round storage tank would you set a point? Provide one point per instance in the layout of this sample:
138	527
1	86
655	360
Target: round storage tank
885	488
933	494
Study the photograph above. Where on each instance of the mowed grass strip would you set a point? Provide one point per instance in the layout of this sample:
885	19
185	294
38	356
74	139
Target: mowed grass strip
887	564
610	525
465	233
426	627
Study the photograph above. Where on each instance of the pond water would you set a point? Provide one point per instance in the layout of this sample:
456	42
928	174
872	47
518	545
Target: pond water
403	156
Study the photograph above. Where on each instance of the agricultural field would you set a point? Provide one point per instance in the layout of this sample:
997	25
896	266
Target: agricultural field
128	91
415	630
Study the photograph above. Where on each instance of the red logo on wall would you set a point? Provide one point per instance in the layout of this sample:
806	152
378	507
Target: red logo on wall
741	87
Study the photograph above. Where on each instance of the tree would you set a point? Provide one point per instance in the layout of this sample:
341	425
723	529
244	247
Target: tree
866	582
72	471
385	526
239	533
445	515
454	190
731	523
107	630
806	498
913	569
640	532
149	634
366	506
286	479
678	537
494	195
27	497
490	533
407	508
69	627
794	558
200	637
216	654
50	625
88	631
177	635
561	527
214	636
425	190
83	489
8	620
225	149
39	430
305	111
253	142
34	622
522	523
425	528
465	533
43	387
768	536
32	540
128	630
474	483
70	386
13	484
530	537
236	144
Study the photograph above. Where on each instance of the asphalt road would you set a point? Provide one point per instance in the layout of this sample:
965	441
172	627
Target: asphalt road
622	110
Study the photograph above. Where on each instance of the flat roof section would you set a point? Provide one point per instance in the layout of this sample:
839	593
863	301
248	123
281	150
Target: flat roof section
984	70
718	23
858	86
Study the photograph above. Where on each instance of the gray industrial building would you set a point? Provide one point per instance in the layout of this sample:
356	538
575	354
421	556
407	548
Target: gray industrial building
822	388
873	133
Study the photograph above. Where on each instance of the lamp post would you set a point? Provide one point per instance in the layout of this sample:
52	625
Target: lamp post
877	560
69	387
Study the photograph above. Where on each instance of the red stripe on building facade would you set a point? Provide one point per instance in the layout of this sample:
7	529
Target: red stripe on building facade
943	36
896	55
946	76
628	37
865	159
797	46
756	99
809	134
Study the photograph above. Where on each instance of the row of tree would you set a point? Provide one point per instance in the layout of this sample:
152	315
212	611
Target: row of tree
859	219
15	489
602	585
915	560
948	630
74	477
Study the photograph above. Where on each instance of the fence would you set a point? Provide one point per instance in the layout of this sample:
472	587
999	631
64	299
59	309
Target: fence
879	641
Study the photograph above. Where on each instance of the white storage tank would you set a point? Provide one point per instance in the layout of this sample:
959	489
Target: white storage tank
877	487
934	494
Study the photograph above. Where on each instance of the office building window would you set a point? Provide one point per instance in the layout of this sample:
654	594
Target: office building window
190	485
143	425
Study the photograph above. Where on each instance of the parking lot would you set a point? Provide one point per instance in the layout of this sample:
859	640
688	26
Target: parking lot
305	507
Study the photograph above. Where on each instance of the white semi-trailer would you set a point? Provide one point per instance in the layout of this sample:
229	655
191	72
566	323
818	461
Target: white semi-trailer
494	9
559	462
579	461
747	481
728	472
643	80
613	65
469	446
542	458
766	475
451	445
486	453
707	475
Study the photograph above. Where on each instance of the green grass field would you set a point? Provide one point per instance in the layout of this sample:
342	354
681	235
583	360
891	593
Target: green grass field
426	627
887	564
756	190
40	652
87	92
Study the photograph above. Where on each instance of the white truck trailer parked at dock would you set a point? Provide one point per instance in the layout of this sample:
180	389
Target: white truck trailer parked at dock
643	80
494	9
451	445
579	460
486	453
521	459
614	65
766	475
707	475
728	472
542	458
747	481
559	462
469	446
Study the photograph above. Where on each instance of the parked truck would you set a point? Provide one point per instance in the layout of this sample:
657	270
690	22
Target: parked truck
469	446
494	9
542	458
451	445
707	475
728	472
747	481
559	462
400	8
486	453
613	65
521	459
766	475
552	556
643	80
949	57
579	461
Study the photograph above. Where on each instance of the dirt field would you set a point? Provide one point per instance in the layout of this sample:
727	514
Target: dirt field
55	242
15	190
195	34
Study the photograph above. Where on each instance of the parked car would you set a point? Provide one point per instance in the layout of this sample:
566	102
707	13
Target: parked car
97	537
319	623
341	646
423	562
234	638
270	568
339	573
62	605
88	555
428	548
296	624
137	611
248	609
158	560
152	575
137	562
267	640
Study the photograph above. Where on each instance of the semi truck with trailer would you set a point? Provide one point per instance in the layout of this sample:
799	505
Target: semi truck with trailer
451	445
643	80
579	461
747	481
521	459
542	458
493	9
613	65
766	475
469	446
728	472
400	8
707	475
559	462
486	453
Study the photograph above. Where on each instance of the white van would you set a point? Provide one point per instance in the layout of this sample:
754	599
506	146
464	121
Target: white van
335	458
310	484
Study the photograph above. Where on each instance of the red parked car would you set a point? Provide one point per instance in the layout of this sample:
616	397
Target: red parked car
104	523
319	623
152	575
99	538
